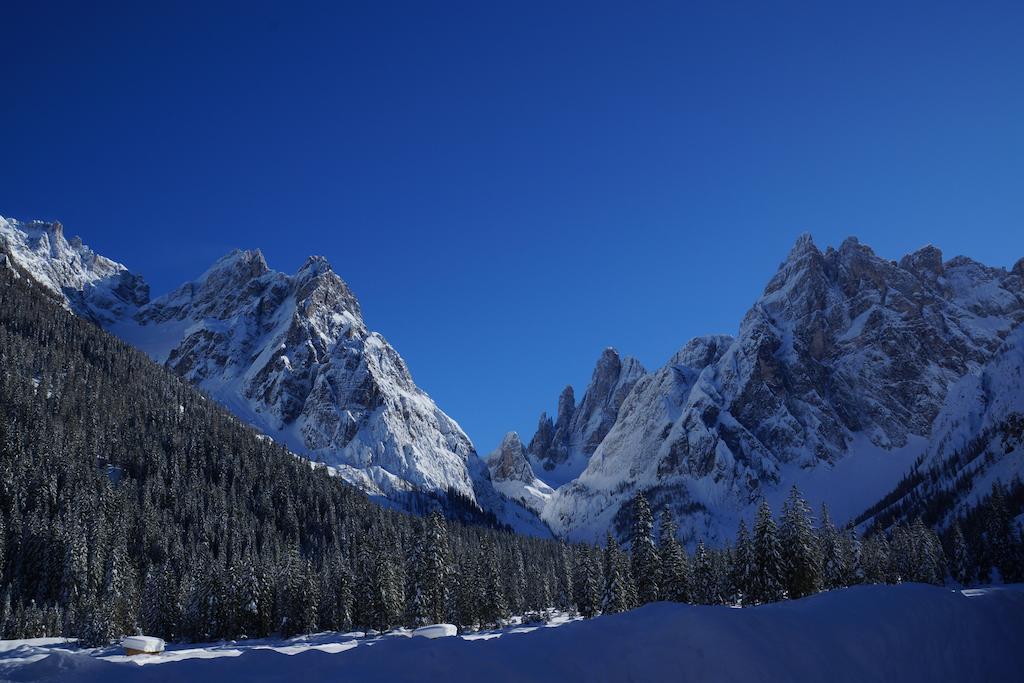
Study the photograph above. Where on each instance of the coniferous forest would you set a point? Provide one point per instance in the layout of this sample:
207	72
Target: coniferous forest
130	502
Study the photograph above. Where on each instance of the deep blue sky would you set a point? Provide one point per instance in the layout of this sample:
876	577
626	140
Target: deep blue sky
509	187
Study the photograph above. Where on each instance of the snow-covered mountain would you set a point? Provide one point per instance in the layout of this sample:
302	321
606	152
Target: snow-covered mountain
833	382
848	373
561	448
513	476
89	284
977	438
289	354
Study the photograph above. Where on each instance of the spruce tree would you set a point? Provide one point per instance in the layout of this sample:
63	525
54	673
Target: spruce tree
645	562
386	591
589	592
705	589
998	534
743	565
675	570
767	580
962	565
800	549
564	579
617	589
468	600
830	549
853	557
493	607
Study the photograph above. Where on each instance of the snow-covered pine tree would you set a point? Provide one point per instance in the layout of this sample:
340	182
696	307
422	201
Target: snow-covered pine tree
875	558
564	579
852	553
248	597
800	547
6	614
438	568
767	580
998	534
467	599
721	565
743	565
705	582
418	609
902	563
75	571
386	589
962	566
588	593
832	571
308	605
617	590
675	567
645	561
362	594
928	559
152	616
493	607
205	614
338	594
515	584
97	625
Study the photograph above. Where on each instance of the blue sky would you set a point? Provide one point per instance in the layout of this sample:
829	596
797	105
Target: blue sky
509	187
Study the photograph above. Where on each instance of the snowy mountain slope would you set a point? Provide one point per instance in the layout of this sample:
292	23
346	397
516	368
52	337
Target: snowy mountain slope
844	349
91	285
513	476
977	438
909	632
289	354
560	449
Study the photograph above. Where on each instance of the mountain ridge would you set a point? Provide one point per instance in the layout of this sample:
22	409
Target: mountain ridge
289	354
846	356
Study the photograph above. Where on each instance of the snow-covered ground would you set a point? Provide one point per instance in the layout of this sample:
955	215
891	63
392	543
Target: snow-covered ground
867	633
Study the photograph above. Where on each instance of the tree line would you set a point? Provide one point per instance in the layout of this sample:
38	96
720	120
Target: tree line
794	556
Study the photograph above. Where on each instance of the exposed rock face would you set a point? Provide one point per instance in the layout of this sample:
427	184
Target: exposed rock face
977	438
513	476
88	284
560	449
843	345
509	462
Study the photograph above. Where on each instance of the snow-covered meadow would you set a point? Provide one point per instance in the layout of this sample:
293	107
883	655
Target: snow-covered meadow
909	632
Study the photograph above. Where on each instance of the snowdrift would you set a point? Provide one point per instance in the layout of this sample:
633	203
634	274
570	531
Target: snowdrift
867	633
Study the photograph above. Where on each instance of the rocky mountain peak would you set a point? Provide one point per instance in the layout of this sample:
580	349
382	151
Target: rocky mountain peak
925	261
238	265
803	247
513	476
560	450
845	352
315	265
508	461
89	284
317	285
566	405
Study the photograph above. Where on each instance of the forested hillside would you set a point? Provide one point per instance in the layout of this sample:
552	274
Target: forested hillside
129	500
